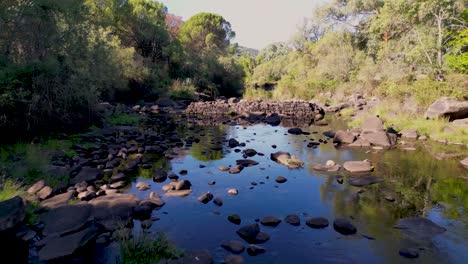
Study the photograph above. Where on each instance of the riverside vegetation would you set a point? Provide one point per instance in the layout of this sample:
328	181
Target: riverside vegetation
101	101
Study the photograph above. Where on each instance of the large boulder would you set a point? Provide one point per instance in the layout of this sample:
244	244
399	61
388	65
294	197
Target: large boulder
377	138
58	200
343	137
464	163
419	227
372	124
12	212
87	174
448	107
112	210
67	219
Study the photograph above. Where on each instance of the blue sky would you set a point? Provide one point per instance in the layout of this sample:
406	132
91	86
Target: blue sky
257	23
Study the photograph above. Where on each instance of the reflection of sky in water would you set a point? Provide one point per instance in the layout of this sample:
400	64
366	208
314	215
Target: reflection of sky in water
307	193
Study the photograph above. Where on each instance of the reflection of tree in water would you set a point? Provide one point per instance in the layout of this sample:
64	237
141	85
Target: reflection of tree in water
210	146
158	161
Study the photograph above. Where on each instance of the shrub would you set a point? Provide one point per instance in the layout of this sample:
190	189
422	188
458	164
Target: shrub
144	249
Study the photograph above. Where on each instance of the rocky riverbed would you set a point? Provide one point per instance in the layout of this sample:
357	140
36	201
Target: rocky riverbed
256	187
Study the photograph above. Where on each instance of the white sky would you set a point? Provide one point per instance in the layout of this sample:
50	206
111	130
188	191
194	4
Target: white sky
257	23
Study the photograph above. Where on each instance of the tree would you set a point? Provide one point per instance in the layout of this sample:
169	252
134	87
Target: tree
206	32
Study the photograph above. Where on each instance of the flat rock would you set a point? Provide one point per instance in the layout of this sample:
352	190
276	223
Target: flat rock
36	187
179	193
357	166
361	181
143	186
234	259
58	200
270	221
113	209
409	133
293	220
233	246
317	222
63	246
419	226
67	219
344	227
45	193
12	212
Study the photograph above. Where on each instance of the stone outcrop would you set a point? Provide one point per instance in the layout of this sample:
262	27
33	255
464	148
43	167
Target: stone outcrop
301	109
448	107
12	212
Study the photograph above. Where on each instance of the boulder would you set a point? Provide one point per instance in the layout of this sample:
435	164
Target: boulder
270	221
360	142
448	107
205	198
58	200
419	227
343	137
295	131
113	209
36	187
233	143
87	174
286	159
462	123
67	219
233	246
273	120
361	181
464	163
45	193
409	133
12	212
372	124
249	232
344	227
377	138
159	175
357	166
62	246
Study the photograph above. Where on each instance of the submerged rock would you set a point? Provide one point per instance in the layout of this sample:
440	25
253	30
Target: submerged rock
234	259
281	179
409	252
233	246
270	221
344	227
205	198
317	222
419	226
286	159
361	181
254	250
235	219
357	166
293	220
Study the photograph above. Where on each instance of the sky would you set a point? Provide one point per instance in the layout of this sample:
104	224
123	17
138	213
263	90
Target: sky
257	23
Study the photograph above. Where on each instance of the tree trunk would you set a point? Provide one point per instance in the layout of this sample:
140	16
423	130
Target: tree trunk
439	40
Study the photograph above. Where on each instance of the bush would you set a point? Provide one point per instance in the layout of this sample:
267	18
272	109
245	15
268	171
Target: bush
143	249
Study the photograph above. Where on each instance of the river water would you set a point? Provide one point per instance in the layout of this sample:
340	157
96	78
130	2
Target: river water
420	184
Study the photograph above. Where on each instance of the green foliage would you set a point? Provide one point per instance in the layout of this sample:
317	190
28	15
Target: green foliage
182	90
143	249
10	189
123	119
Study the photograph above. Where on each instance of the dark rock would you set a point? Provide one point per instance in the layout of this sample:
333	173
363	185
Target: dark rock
254	250
218	201
159	175
270	221
87	174
249	232
235	219
12	212
281	179
233	143
409	252
344	227
246	163
233	246
420	227
295	131
205	198
183	172
234	259
250	152
273	120
112	210
329	134
293	220
361	181
317	222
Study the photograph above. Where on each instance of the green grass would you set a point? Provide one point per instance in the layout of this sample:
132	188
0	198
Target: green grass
10	189
347	113
145	249
123	119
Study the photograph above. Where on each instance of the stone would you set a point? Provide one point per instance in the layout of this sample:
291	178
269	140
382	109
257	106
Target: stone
45	193
218	201
233	143
87	195
233	246
372	124
146	224
183	185
143	186
194	257
118	185
233	259
205	198
223	168
420	227
281	179
464	163
249	232
159	175
409	133
87	174
462	123
409	252
343	137
66	219
377	139
254	250
270	221
360	142
112	210
295	131
63	246
344	227
357	166
317	222
448	107
293	220
12	212
235	219
58	200
246	163
118	177
36	187
286	159
361	181
180	193
233	191
273	120
250	152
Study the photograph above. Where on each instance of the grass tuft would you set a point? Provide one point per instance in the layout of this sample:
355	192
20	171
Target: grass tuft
144	249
